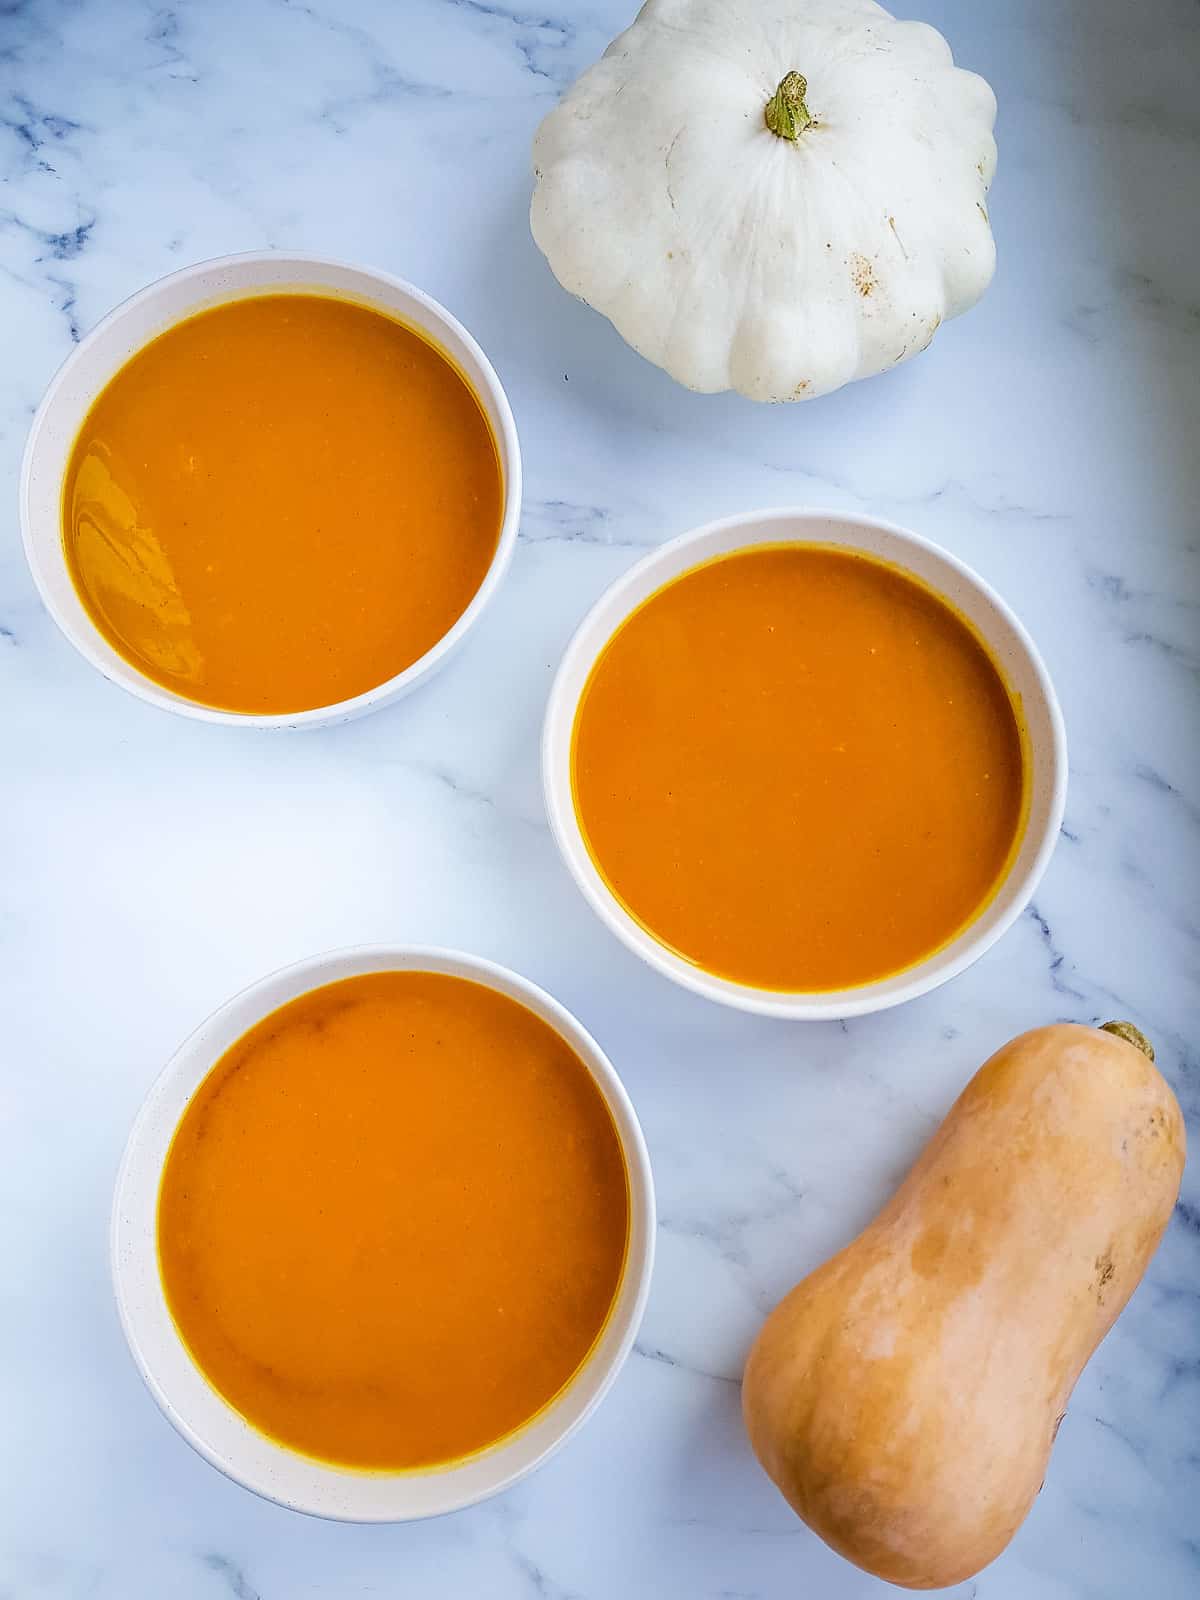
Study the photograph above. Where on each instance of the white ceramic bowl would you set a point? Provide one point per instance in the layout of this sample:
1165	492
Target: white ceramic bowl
120	335
198	1411
1011	648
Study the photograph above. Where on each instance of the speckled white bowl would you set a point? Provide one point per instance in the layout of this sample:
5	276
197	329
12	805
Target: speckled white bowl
1010	646
204	1419
133	324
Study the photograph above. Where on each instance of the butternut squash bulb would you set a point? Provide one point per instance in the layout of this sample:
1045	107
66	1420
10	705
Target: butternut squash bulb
905	1396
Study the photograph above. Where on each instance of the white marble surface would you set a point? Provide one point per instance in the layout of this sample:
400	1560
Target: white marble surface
151	866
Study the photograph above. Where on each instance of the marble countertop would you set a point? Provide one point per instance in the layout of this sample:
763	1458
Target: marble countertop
150	866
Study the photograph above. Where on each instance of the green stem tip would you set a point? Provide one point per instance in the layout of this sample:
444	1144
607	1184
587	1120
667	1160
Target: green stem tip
1131	1035
786	113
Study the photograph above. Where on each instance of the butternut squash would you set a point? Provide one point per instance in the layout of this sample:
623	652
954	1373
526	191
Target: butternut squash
905	1396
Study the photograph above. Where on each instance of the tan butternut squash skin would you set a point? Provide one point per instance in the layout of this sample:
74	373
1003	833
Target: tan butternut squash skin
905	1395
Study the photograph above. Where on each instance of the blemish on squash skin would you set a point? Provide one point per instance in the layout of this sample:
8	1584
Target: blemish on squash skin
1104	1275
937	322
667	169
862	275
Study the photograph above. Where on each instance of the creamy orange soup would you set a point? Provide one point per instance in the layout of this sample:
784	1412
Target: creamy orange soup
281	503
799	768
393	1220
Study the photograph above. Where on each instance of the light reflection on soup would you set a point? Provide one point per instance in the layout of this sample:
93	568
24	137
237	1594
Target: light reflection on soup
393	1220
799	768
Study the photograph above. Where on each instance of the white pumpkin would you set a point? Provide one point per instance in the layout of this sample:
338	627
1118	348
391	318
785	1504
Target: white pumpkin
773	196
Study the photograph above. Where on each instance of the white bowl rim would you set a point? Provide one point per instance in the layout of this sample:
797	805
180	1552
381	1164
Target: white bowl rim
806	1006
632	1293
135	682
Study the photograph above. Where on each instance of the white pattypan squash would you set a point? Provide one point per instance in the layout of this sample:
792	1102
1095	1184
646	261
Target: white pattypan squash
773	196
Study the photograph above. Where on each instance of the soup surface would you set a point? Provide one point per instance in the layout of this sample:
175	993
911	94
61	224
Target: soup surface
281	502
798	768
393	1220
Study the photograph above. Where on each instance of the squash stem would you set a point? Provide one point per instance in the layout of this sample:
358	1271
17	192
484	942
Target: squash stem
1131	1035
786	113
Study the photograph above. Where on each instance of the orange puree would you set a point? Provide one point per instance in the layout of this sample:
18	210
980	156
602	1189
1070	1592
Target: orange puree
799	768
393	1220
281	502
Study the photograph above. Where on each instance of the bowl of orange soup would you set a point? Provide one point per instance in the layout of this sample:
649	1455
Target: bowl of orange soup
383	1233
805	764
271	489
